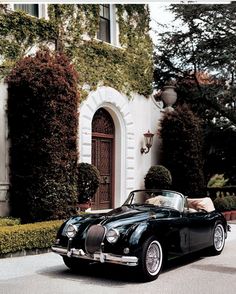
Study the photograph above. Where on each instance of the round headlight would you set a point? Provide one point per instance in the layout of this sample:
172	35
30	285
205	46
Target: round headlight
71	231
112	235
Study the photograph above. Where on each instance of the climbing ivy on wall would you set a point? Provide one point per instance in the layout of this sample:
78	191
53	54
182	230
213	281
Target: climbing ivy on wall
127	69
19	32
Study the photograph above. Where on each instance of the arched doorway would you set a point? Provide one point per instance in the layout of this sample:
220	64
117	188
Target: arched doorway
124	142
103	133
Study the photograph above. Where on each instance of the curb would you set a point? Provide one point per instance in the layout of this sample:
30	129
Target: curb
24	252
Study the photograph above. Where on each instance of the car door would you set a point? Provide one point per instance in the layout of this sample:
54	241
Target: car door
177	231
199	230
177	236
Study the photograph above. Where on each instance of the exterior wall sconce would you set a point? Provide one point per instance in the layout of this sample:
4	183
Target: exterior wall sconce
148	137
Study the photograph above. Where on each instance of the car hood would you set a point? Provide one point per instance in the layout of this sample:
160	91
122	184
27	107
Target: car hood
122	216
126	215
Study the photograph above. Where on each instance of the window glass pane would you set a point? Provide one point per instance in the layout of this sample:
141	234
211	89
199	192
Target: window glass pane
104	24
32	9
106	12
101	10
104	30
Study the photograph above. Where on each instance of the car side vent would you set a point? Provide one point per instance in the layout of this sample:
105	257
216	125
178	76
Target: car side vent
94	238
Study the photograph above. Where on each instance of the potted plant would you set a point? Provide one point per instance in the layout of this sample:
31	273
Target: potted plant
158	177
88	183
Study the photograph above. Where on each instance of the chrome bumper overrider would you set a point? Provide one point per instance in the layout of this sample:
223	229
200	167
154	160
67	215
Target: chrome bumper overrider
100	256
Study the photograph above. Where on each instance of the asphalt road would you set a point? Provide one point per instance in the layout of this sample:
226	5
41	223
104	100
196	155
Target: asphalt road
45	273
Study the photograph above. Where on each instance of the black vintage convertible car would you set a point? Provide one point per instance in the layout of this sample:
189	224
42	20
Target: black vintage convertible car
151	226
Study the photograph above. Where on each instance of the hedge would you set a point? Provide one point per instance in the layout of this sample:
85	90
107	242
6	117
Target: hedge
9	221
28	236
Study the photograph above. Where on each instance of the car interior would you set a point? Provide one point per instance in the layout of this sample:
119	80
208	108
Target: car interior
199	204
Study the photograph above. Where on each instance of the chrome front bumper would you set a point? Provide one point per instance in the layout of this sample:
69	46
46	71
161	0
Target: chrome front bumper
99	256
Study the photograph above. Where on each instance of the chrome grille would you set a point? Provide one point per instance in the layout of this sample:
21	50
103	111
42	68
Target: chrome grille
94	238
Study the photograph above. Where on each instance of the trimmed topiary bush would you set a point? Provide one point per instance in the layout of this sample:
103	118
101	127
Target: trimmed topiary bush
43	123
88	181
158	177
182	145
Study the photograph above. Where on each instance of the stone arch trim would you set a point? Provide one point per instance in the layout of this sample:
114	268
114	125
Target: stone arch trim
118	107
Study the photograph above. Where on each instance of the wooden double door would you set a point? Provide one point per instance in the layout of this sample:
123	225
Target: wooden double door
103	132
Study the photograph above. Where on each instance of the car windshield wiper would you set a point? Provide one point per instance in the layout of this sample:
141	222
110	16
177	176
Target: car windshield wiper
144	205
149	205
140	205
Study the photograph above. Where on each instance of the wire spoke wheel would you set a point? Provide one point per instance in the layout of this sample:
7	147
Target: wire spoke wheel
219	237
151	259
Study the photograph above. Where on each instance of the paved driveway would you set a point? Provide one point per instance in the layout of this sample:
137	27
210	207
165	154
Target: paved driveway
44	274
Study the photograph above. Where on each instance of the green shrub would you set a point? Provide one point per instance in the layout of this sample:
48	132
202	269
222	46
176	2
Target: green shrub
221	203
234	202
231	201
217	181
9	221
182	141
43	119
28	236
158	177
88	181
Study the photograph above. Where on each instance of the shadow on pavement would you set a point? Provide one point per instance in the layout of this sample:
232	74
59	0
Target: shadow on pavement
110	274
94	273
183	260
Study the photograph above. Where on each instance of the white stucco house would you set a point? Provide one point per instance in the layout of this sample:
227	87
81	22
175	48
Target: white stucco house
110	135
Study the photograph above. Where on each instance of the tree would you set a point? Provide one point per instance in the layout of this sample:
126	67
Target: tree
181	135
200	54
43	122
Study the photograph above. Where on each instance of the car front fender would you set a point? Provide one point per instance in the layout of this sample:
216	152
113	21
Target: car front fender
138	234
142	231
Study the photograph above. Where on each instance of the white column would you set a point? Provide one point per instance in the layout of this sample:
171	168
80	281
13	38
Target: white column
4	174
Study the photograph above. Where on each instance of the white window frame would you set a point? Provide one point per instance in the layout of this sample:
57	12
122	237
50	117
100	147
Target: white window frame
42	9
114	28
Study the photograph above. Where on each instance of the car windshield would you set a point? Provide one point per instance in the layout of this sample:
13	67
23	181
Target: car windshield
159	198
